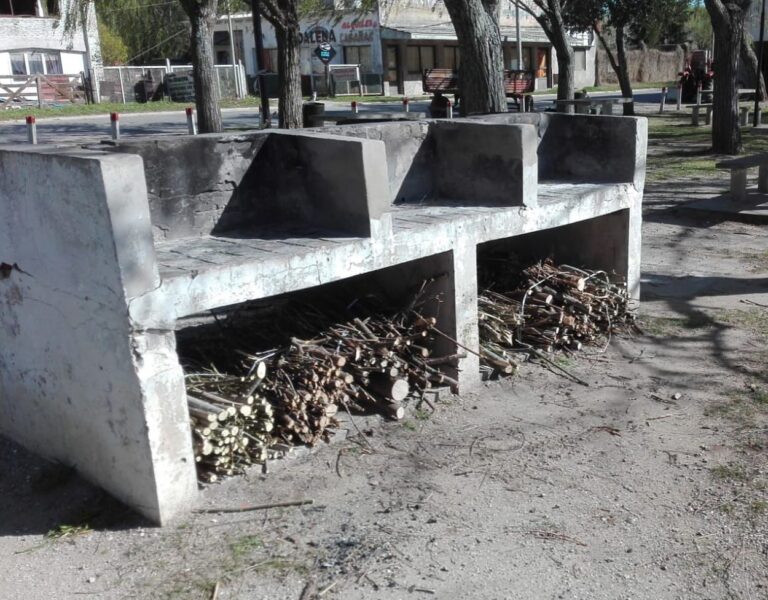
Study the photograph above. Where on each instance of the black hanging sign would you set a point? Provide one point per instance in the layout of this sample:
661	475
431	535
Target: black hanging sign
325	53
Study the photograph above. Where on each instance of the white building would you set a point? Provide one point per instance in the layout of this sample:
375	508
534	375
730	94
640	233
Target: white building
394	43
33	41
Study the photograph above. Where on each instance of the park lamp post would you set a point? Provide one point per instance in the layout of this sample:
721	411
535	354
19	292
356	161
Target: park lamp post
759	66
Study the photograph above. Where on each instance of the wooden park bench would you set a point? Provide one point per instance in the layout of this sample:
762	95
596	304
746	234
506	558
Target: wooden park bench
518	85
739	167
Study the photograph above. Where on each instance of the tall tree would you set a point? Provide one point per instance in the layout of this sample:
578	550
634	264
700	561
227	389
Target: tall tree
202	17
550	14
481	70
283	15
612	19
728	25
749	58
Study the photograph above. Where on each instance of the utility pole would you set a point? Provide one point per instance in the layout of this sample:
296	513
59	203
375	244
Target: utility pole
520	63
759	67
266	117
235	74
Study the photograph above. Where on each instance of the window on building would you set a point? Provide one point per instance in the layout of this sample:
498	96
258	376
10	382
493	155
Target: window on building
580	60
36	63
359	55
419	58
451	57
22	8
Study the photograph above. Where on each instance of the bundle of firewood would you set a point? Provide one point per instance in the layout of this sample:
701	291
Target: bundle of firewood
369	363
231	423
550	308
363	365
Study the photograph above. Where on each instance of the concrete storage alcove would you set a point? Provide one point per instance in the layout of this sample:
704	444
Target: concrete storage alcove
116	246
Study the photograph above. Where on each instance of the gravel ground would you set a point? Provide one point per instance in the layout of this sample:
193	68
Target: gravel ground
650	482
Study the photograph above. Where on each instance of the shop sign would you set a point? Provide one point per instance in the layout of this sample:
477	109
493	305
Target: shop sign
356	37
359	24
317	35
325	53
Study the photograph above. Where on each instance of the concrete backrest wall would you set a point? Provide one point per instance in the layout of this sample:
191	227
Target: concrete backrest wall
216	183
469	162
592	148
585	148
485	164
82	250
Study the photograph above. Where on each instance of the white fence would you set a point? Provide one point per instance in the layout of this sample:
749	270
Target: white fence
146	83
26	90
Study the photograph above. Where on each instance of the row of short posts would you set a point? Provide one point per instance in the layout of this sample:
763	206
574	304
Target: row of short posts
114	122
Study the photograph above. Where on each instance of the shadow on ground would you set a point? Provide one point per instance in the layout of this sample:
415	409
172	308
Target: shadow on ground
37	497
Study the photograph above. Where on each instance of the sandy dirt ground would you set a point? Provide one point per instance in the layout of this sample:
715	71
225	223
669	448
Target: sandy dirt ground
650	482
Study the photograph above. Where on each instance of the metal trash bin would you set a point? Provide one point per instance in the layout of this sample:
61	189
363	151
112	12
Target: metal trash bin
313	114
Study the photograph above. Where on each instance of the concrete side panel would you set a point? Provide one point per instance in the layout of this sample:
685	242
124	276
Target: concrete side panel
589	148
323	183
409	156
194	183
69	381
481	164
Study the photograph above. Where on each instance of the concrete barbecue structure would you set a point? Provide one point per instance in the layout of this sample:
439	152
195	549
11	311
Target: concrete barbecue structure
106	250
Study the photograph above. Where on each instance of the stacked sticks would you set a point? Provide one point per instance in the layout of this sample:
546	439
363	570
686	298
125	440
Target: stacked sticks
231	423
550	308
368	363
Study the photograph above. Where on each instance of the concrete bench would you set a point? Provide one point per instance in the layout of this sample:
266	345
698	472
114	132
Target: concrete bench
739	167
709	108
120	246
603	106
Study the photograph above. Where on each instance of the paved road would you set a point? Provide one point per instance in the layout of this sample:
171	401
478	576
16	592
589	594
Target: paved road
92	129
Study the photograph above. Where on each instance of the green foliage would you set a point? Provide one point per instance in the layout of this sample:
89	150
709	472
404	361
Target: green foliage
699	27
113	48
151	31
652	22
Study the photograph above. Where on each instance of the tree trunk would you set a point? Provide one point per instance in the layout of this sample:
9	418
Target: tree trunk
728	26
565	83
289	70
749	58
481	71
623	71
202	17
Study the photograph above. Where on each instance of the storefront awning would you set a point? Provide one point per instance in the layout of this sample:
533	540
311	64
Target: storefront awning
444	31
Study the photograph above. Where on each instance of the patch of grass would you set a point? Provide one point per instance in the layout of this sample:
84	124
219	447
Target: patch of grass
758	507
730	472
410	425
754	320
244	545
421	414
68	531
661	326
564	361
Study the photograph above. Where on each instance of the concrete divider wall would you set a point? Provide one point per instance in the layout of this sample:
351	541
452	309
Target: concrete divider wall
76	384
206	184
471	163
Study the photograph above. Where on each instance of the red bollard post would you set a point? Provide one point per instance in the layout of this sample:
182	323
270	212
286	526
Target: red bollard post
679	95
354	107
698	94
663	99
114	119
31	130
191	124
405	105
449	110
